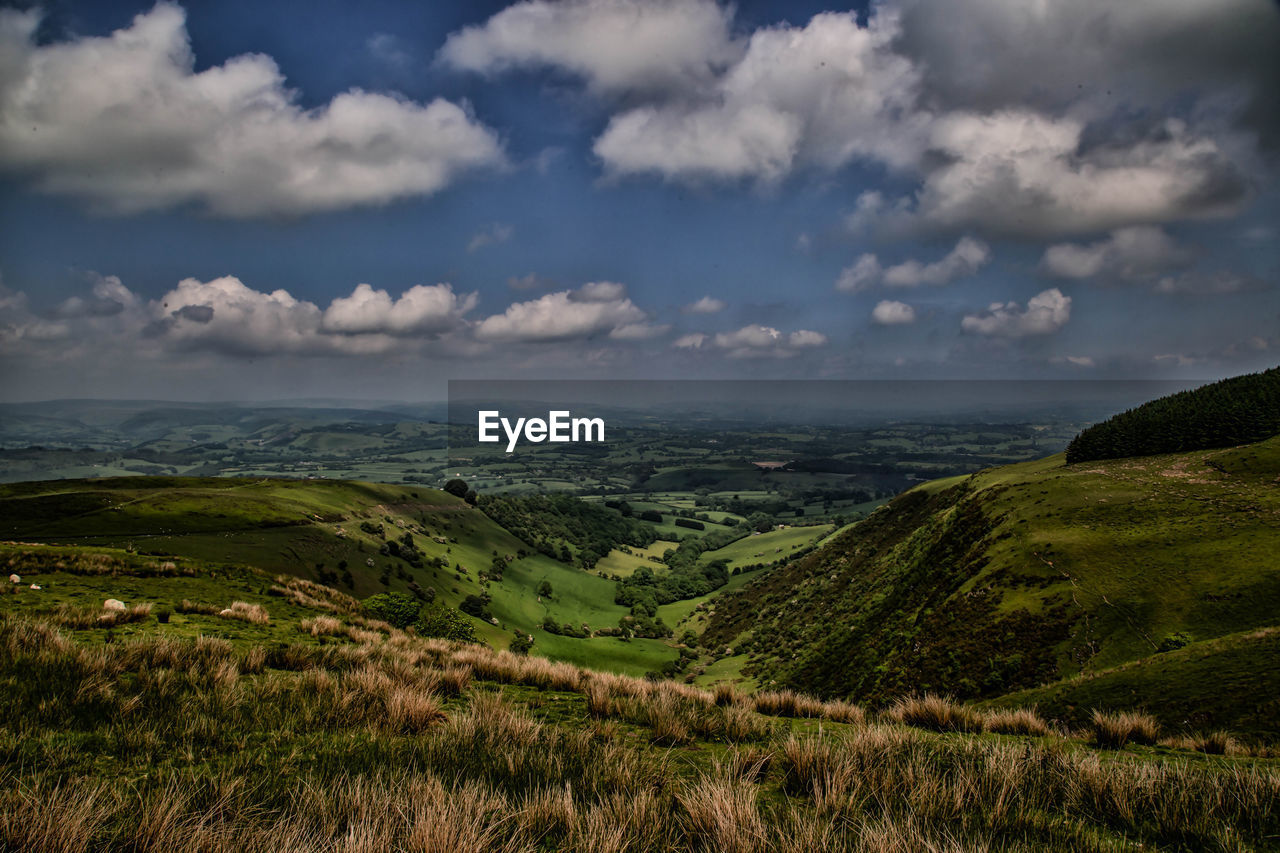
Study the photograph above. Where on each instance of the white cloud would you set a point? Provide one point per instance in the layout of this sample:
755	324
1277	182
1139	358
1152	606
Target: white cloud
968	256
706	305
822	95
890	313
1132	254
599	291
422	309
998	144
493	235
616	45
594	309
690	341
1046	312
862	274
806	338
1019	172
226	316
126	122
765	341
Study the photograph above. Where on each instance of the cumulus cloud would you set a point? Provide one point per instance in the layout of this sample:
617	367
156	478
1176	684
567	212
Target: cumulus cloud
706	305
755	341
1001	112
126	122
226	316
596	308
616	45
494	234
968	256
1022	173
821	95
1131	254
422	309
1046	312
890	313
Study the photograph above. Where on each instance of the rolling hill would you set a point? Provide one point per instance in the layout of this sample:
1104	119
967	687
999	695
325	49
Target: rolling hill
339	533
1110	580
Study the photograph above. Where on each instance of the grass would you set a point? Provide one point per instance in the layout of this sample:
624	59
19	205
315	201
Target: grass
389	741
1064	587
302	527
769	547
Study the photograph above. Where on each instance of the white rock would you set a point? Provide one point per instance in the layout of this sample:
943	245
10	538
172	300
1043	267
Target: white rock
113	604
14	579
35	586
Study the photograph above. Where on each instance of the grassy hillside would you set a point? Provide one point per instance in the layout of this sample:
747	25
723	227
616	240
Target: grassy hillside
334	532
1032	573
312	728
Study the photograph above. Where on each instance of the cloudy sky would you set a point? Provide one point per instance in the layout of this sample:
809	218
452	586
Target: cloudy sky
246	200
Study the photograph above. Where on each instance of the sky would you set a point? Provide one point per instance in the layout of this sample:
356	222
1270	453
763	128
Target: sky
271	201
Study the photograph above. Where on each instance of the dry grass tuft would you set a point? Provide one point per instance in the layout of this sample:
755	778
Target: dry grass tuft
246	612
1018	721
1115	730
936	713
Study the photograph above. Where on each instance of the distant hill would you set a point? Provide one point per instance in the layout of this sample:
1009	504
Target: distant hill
1235	411
1117	580
352	536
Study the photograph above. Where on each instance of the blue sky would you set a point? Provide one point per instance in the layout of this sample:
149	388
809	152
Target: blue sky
240	200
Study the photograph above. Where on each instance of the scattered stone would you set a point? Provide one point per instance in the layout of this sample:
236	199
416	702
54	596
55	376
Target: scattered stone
114	604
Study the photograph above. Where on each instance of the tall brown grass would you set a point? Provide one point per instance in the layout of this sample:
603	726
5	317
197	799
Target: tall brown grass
1115	730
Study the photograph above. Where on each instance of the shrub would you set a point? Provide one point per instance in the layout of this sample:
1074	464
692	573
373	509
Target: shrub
394	608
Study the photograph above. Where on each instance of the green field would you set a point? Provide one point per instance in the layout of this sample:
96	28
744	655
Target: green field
305	528
768	547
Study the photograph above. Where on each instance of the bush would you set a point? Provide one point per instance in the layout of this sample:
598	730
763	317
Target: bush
437	620
394	608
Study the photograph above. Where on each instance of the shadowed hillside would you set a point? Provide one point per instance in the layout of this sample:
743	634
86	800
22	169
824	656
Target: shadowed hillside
1028	574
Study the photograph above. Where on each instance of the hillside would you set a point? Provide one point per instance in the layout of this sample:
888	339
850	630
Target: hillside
348	535
1108	573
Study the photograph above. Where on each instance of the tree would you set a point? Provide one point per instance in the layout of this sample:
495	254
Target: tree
457	488
521	643
544	589
395	608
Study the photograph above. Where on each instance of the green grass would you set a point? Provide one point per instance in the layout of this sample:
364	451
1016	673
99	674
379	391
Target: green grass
1033	573
768	547
292	527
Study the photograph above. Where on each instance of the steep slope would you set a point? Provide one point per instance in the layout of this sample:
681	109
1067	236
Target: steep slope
340	533
1020	576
